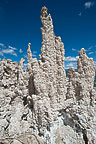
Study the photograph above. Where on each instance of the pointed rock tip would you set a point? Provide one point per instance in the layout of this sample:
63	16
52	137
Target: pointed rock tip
29	44
22	59
44	11
44	8
9	60
4	58
82	51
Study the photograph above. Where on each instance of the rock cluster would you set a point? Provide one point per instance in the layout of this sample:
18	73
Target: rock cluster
39	105
81	82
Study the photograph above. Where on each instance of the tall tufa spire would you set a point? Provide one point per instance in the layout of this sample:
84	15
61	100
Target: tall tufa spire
4	59
44	12
29	58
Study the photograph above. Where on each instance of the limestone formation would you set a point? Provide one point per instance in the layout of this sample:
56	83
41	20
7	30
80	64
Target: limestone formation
38	104
29	53
83	80
8	73
47	78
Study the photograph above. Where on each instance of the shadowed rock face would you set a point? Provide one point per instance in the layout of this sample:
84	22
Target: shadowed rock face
40	101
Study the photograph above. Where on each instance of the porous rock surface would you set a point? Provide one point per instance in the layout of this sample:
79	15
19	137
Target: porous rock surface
39	105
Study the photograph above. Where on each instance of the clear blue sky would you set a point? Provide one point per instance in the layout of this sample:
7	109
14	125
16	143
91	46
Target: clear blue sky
74	21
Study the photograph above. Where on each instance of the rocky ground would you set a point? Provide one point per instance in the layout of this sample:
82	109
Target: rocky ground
39	105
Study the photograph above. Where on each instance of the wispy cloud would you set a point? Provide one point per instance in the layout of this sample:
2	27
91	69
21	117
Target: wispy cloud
95	64
25	56
25	64
71	64
9	51
73	49
1	53
34	52
69	58
80	14
90	47
33	55
88	4
90	53
13	48
2	45
20	51
87	50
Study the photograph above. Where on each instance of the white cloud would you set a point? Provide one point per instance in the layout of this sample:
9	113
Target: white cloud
95	64
9	51
80	14
13	48
33	55
20	51
90	47
34	52
90	53
2	45
73	49
69	58
88	4
77	57
25	56
1	53
71	64
25	64
86	50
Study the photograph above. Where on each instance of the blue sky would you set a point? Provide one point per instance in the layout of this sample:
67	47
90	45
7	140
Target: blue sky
74	21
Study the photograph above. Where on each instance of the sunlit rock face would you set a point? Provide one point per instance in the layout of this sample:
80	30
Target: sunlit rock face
82	81
38	104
